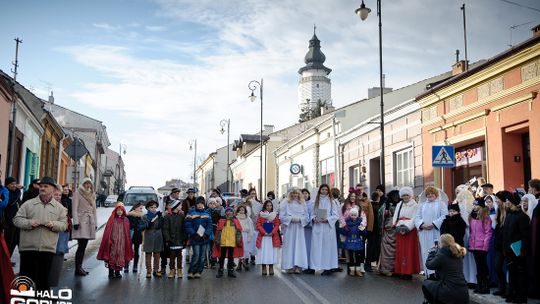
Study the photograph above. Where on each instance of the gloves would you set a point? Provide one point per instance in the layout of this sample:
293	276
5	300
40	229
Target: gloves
205	237
76	226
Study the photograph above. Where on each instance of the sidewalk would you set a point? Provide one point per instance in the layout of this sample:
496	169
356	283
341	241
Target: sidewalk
491	299
102	217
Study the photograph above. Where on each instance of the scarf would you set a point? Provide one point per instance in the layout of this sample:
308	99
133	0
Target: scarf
151	215
269	216
87	194
241	216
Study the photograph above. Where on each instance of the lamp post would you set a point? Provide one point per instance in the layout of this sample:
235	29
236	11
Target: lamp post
122	149
223	123
193	146
253	86
363	12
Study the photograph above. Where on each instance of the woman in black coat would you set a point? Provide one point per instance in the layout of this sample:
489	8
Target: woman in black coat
447	261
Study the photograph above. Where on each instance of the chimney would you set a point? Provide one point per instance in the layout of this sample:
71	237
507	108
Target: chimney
268	129
536	30
51	98
459	66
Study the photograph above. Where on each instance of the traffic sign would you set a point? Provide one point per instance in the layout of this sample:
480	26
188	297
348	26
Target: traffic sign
443	156
76	149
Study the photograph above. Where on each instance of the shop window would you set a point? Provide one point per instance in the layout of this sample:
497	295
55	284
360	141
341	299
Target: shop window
404	167
327	171
354	175
470	163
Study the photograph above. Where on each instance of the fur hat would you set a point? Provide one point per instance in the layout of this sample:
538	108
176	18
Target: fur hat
406	191
454	207
354	210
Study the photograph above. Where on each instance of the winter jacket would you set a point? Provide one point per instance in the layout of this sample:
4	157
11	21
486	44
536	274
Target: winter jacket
135	219
215	214
516	228
84	215
194	219
187	204
455	226
41	238
354	237
173	230
452	287
480	234
13	205
238	251
276	241
153	236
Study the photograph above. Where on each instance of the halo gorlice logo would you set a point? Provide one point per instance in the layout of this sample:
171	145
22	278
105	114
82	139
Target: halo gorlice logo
23	291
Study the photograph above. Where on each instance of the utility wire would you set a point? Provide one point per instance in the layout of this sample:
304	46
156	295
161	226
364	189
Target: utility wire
521	5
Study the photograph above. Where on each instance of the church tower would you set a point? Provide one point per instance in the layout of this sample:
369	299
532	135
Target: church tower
314	86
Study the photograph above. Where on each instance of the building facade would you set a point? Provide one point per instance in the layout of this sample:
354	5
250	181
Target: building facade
490	114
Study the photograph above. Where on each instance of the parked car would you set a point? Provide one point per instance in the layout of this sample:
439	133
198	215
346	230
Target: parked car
110	201
142	194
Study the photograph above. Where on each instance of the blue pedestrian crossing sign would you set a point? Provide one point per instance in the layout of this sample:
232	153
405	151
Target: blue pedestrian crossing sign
443	156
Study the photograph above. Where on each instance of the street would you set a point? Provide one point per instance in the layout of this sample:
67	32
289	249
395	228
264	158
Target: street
246	288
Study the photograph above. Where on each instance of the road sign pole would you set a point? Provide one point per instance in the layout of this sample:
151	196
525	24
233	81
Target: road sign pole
442	179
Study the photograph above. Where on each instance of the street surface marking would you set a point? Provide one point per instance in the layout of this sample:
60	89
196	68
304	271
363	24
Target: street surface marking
287	282
313	291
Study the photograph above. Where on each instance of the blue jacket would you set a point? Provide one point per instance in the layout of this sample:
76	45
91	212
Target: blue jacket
193	220
354	238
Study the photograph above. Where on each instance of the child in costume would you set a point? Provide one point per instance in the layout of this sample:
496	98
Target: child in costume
228	242
268	241
152	223
355	233
115	248
135	217
215	209
247	234
175	237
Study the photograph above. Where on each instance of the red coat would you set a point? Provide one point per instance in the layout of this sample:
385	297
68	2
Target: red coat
6	275
276	242
238	251
105	246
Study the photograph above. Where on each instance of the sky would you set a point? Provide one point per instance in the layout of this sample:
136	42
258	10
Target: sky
160	73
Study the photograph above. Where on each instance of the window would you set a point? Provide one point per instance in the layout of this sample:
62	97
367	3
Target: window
327	171
404	168
354	175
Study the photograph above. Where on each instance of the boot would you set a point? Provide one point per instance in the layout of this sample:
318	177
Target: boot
351	271
117	274
231	273
219	273
271	269
79	272
172	274
479	282
358	272
126	268
240	264
111	274
179	273
156	272
263	268
252	261
501	292
362	270
148	260
484	289
246	264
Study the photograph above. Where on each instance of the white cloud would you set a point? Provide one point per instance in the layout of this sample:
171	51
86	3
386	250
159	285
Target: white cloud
166	102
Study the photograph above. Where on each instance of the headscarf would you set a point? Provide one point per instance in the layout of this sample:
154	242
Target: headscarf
533	202
89	195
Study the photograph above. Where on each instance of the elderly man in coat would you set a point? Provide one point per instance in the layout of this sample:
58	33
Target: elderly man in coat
40	219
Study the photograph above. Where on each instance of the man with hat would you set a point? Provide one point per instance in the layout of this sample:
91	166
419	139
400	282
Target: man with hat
11	232
40	219
189	201
487	189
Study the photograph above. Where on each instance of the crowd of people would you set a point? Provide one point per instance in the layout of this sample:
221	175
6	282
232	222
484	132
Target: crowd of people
480	239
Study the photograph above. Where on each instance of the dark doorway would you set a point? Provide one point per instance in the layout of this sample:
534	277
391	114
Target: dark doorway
374	173
526	144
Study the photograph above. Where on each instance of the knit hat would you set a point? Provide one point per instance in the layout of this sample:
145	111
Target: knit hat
9	180
454	207
174	204
380	187
480	202
354	211
200	200
229	209
406	191
508	196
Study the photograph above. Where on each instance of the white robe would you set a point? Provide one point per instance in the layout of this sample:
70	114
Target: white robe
247	234
429	213
469	265
294	217
324	254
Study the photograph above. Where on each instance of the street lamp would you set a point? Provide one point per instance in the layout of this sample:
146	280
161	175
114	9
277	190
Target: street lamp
363	13
193	146
253	86
121	150
223	123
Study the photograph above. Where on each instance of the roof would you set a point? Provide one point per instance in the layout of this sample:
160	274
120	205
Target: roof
509	52
314	58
